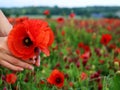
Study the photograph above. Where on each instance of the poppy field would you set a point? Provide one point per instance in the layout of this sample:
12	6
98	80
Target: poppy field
85	55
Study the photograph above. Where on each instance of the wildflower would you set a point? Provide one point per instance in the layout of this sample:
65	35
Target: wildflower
11	78
46	12
28	35
60	20
56	78
63	33
72	15
83	76
71	84
77	51
106	38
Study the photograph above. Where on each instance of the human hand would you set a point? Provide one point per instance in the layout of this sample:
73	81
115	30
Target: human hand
9	61
5	26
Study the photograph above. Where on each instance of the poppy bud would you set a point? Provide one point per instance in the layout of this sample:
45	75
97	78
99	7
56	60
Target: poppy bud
116	65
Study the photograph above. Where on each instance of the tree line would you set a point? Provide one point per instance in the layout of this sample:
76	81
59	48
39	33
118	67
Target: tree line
80	11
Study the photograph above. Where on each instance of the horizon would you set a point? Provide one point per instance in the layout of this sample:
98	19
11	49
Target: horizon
61	3
58	6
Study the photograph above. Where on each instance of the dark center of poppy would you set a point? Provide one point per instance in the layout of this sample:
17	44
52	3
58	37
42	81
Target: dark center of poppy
27	41
105	40
58	80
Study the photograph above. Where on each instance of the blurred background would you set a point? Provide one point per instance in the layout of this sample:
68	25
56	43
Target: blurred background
82	8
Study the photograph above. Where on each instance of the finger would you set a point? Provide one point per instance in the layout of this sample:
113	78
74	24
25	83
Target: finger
31	61
10	66
37	61
4	46
17	62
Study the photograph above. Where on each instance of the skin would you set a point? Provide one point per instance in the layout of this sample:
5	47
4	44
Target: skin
8	60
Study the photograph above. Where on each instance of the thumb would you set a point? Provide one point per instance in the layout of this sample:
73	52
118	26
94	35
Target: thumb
3	45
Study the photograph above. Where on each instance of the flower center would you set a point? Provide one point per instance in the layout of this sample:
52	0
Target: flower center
58	80
27	41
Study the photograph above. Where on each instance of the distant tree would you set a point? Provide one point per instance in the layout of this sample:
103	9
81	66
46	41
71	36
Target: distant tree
80	11
6	12
111	16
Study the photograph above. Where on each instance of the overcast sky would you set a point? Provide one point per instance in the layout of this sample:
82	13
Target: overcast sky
60	3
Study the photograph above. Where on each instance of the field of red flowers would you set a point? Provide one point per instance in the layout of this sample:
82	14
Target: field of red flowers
85	55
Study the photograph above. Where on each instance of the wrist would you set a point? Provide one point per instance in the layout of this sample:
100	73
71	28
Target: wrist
5	26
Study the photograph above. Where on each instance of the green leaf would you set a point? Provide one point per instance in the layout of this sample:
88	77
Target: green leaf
115	83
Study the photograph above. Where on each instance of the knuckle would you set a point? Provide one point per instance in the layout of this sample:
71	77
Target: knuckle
24	65
15	61
27	66
1	62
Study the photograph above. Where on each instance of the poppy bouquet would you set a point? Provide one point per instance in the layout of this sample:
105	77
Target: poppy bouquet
29	35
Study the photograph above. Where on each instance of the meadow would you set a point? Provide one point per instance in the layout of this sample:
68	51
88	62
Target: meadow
85	54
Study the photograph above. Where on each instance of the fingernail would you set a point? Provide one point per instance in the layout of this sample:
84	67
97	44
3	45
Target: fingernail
37	64
34	62
34	57
21	69
31	68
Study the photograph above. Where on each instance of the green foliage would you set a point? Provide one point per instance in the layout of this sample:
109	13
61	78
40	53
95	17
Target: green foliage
115	82
80	11
63	54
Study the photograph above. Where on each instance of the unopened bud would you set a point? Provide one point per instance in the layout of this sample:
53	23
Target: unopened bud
116	65
118	72
94	35
93	67
101	51
43	71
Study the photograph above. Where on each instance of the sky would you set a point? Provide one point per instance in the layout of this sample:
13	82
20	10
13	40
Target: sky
59	3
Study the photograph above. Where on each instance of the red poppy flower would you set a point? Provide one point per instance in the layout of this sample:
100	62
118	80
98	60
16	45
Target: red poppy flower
85	55
21	19
81	45
117	50
83	76
11	78
77	51
112	46
63	33
56	78
89	30
60	20
86	48
101	61
106	38
28	35
46	12
71	84
109	28
72	15
42	82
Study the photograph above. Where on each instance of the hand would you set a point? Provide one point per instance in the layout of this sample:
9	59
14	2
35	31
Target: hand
5	26
9	61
